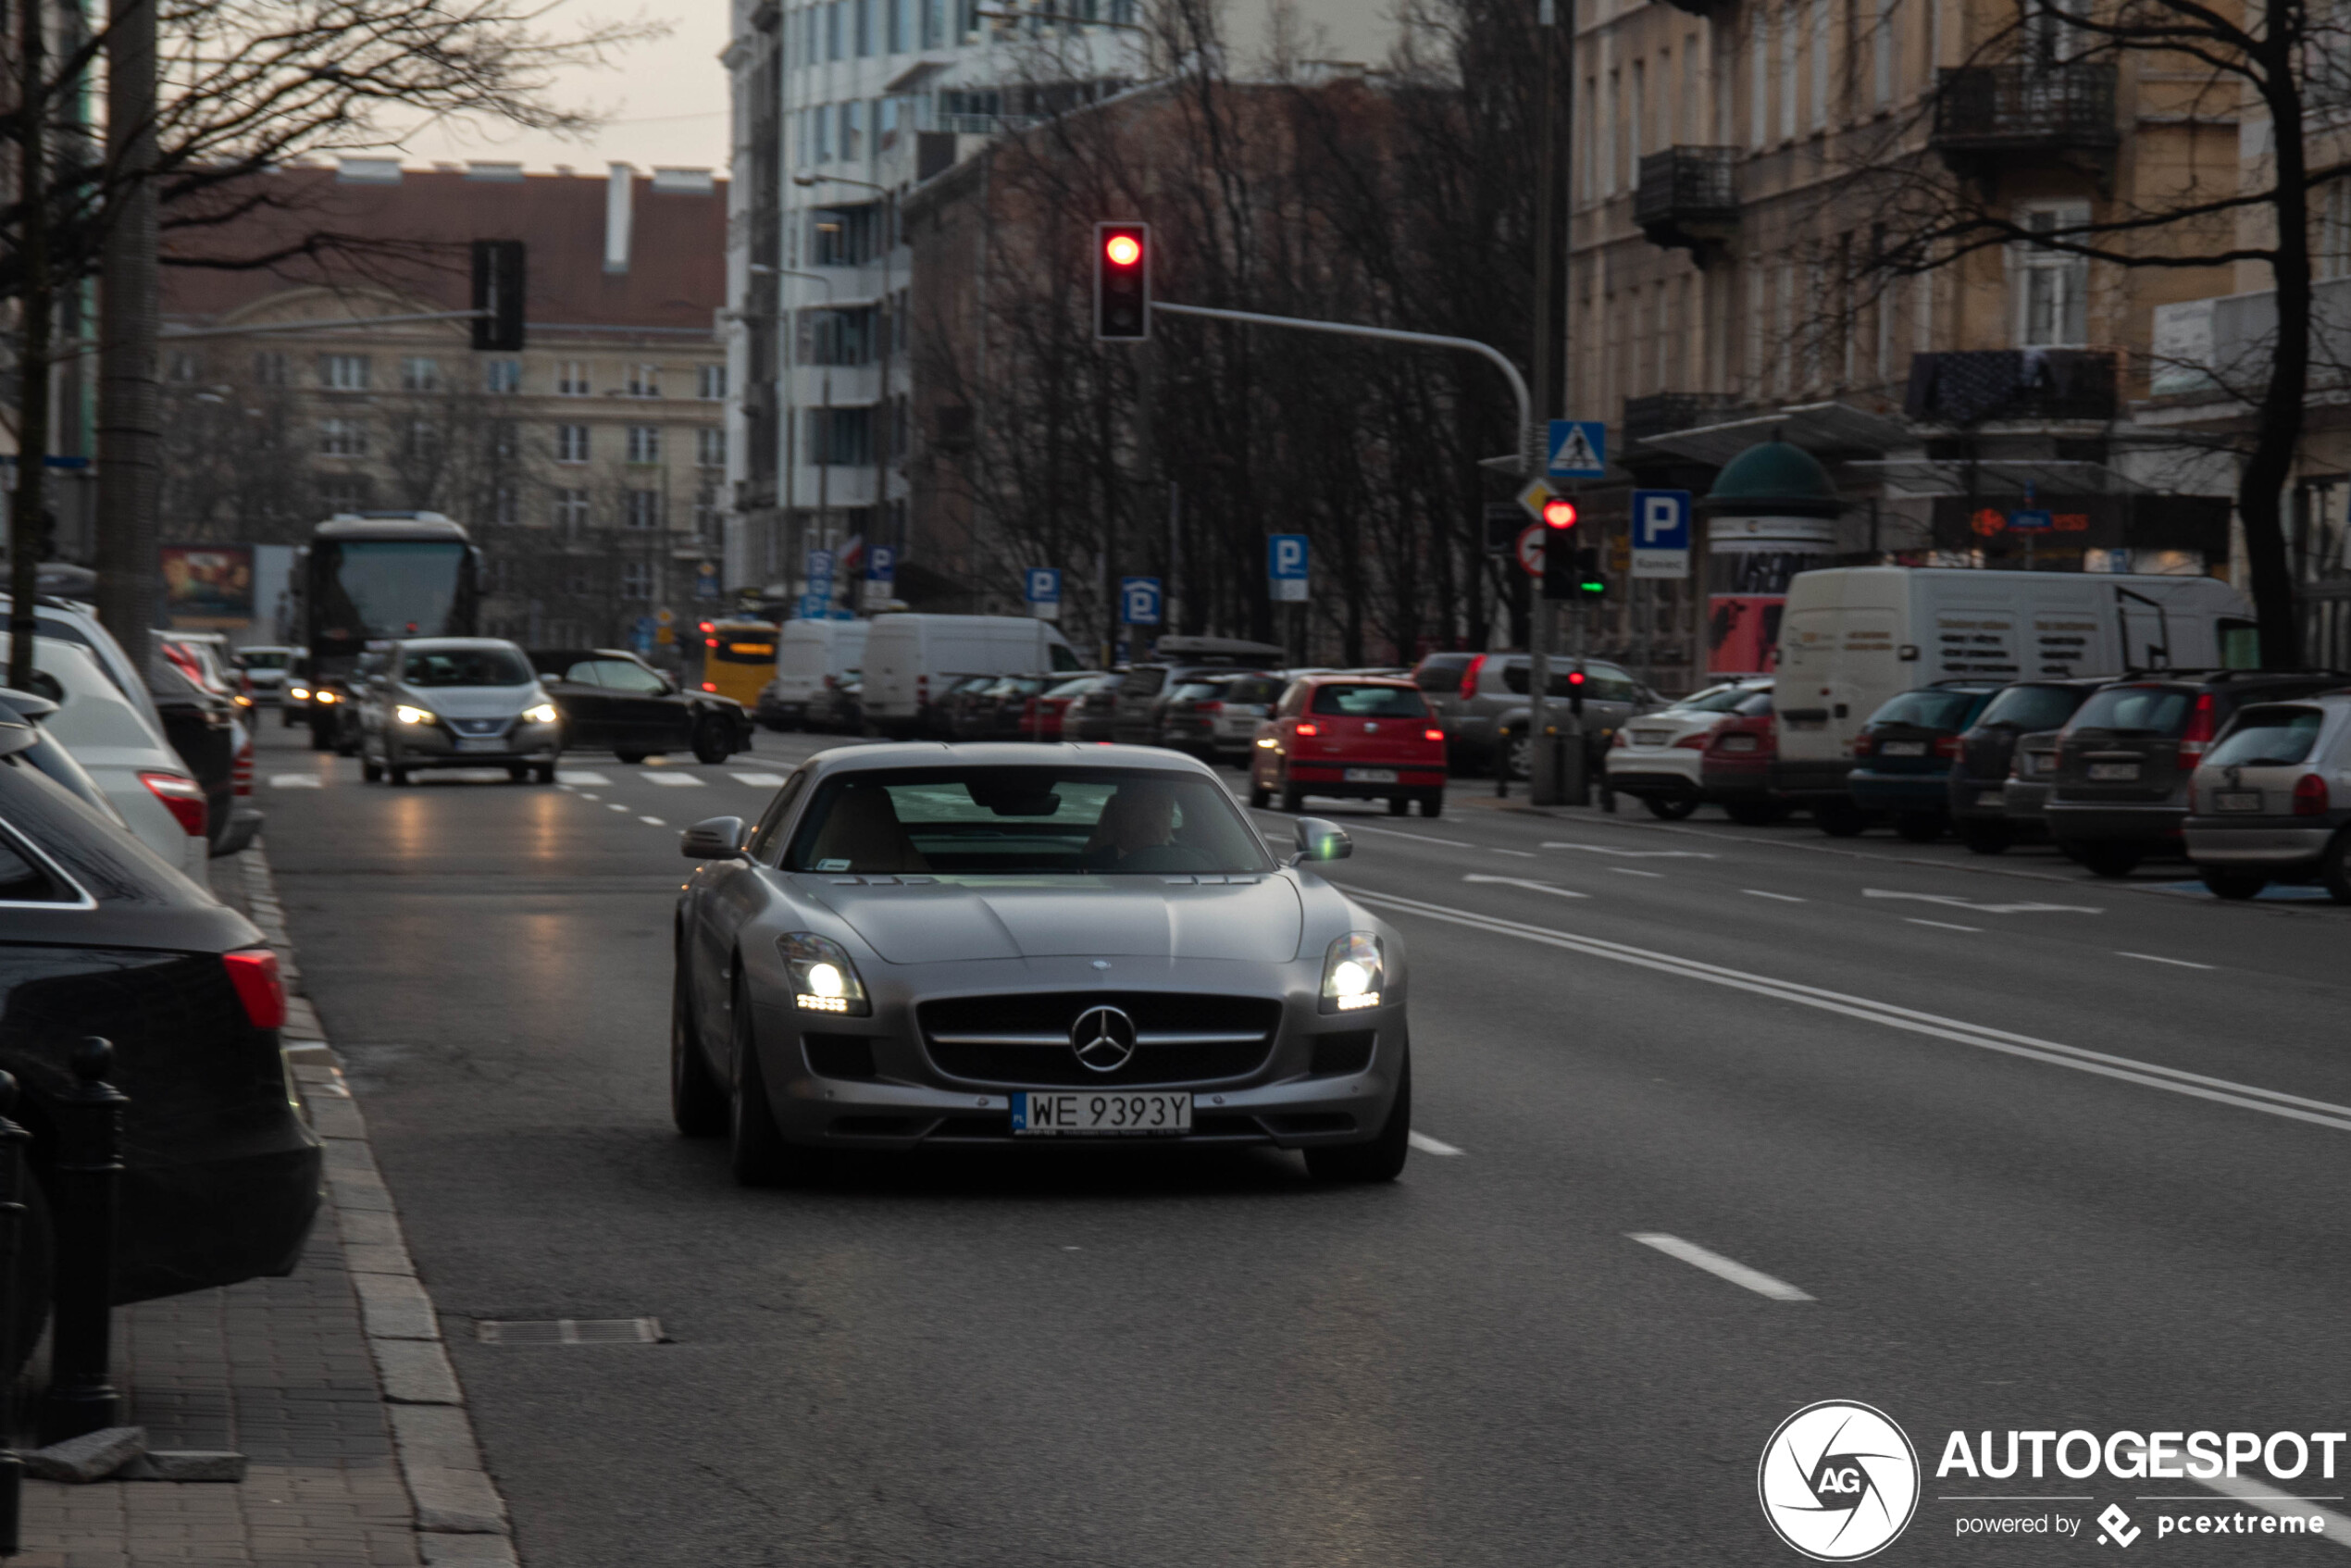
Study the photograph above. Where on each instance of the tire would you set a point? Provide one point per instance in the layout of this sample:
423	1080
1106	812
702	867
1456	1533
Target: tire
1987	838
396	776
370	769
632	758
1518	755
1399	806
2334	869
1920	826
2234	885
1260	796
1293	799
756	1151
697	1100
2110	860
1754	814
712	743
322	737
1433	803
1383	1158
1670	808
544	772
519	771
1840	819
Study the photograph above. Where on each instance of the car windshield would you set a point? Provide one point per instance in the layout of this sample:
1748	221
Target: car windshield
1928	710
1441	672
1024	822
1081	686
2269	738
465	666
2139	710
1370	701
2032	707
1715	700
255	658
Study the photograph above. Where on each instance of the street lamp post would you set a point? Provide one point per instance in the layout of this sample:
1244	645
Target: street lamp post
881	437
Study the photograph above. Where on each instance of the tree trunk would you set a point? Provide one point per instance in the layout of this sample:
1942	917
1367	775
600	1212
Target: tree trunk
2278	426
128	412
39	304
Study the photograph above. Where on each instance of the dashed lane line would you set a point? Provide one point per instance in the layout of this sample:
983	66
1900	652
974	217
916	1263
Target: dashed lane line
1423	837
1952	903
579	776
296	781
2158	958
1941	925
615	805
1551	889
1428	1145
674	781
758	781
1782	898
655	821
1628	871
1719	1266
1632	855
1519	854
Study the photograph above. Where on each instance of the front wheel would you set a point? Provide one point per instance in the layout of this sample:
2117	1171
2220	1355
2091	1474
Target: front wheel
1670	808
544	772
1383	1158
697	1100
1293	799
1260	796
370	770
756	1151
712	742
397	776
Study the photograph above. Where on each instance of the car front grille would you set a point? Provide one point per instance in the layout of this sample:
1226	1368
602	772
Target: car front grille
1023	1041
477	727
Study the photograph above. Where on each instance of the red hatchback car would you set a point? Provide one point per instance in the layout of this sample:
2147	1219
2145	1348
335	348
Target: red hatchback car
1358	737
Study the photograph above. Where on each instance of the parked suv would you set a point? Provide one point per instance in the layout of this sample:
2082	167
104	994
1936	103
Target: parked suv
1485	718
1988	750
2271	801
1903	756
1141	714
1657	758
2123	764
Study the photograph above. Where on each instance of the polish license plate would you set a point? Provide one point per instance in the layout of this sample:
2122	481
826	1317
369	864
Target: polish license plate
1371	776
1904	748
1649	737
2113	772
2236	800
1099	1114
482	742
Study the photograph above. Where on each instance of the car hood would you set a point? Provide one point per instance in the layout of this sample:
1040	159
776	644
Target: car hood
470	702
983	917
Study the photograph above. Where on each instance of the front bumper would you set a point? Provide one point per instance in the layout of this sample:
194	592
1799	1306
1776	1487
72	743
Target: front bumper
2256	846
418	745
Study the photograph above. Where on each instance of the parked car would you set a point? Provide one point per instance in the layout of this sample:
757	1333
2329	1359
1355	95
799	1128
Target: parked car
1657	758
1151	685
610	699
2271	801
2120	791
73	621
1903	757
220	1176
962	694
1048	715
49	754
204	729
156	792
1486	719
2024	796
996	712
1212	716
1979	778
1735	769
812	657
266	668
458	702
911	660
1353	738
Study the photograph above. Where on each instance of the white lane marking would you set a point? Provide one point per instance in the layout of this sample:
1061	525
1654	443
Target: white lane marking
296	781
2148	1075
1423	837
615	805
586	796
579	776
1628	871
1428	1145
2157	958
1759	893
1636	854
1940	924
758	781
1718	1265
674	781
1522	882
2338	1528
1983	908
656	821
1521	854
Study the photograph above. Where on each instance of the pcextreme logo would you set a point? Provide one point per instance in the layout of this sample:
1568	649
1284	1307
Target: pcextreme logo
1839	1481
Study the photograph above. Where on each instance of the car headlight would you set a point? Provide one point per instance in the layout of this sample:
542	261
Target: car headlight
300	693
822	979
544	714
407	714
328	697
1353	972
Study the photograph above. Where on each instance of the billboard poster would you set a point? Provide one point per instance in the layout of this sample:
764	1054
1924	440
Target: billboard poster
208	587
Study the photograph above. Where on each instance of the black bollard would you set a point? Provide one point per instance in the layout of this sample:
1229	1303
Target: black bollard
80	1397
12	1211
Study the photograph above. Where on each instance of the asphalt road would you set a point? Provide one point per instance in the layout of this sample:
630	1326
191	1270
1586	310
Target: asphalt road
2003	1146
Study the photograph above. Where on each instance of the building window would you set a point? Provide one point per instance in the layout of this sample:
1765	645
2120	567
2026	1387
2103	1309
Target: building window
710	448
269	369
419	375
845	439
852	128
571	444
644	444
833	29
1785	42
934	23
506	504
423	440
571	513
2333	259
183	366
824	117
900	24
505	441
865	28
636	579
1759	89
712	382
706	516
640	508
571	378
2053	286
644	380
501	376
344	493
343	438
1820	46
1882	56
343	372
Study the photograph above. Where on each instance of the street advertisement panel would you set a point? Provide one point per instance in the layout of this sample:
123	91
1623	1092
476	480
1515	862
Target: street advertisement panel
1749	562
208	587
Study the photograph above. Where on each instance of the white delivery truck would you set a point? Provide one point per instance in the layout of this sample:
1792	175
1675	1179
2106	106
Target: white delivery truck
1853	637
912	660
812	657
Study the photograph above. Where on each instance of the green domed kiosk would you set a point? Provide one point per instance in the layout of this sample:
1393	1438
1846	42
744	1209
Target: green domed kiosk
1770	514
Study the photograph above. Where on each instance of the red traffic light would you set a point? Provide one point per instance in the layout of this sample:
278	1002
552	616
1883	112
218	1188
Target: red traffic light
1559	513
1575	677
1123	250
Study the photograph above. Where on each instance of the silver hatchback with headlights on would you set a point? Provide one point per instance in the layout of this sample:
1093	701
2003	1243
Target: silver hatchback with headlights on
457	702
1060	946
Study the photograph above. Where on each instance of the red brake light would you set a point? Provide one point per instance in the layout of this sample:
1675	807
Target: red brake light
1696	742
1469	676
2197	735
243	770
1308	729
253	971
1863	745
182	797
2310	797
1947	746
1435	735
1209	708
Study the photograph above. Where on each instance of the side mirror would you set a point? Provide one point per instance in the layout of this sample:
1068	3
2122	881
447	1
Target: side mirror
718	838
1320	839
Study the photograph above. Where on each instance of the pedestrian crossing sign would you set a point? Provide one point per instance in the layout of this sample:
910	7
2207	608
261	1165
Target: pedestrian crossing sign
1578	448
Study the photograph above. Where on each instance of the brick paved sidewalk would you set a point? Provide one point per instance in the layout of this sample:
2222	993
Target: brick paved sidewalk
292	1373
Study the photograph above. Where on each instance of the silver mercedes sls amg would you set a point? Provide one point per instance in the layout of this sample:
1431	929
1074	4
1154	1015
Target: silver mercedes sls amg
921	945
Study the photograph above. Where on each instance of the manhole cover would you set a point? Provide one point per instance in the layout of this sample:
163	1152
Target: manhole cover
571	1331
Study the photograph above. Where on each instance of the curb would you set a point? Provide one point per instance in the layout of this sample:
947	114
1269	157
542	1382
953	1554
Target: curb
460	1518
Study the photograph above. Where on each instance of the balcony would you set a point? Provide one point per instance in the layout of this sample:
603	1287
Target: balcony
2048	385
1986	113
1688	197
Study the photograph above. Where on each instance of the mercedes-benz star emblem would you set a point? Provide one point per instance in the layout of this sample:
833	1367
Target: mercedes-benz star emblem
1103	1039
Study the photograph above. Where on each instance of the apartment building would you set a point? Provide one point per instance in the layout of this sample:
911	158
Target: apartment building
591	466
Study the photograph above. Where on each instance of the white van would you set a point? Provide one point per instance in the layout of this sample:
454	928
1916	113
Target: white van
912	660
1853	637
810	656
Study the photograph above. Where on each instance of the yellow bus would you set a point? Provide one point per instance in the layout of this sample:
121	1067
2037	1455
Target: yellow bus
737	658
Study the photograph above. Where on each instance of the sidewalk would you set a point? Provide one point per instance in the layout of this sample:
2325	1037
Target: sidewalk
331	1381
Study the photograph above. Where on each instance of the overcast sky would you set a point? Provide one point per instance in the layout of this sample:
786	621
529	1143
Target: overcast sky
663	103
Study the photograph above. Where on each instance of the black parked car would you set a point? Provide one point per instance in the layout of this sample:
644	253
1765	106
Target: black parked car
203	728
610	698
99	937
1988	753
